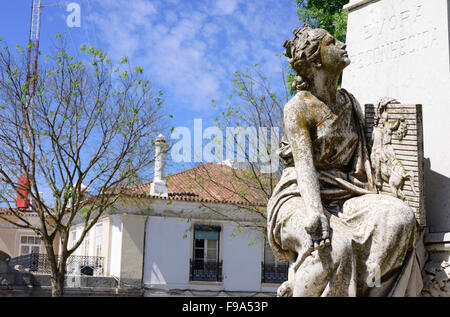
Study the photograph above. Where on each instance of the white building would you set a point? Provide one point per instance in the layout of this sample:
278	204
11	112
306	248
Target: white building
194	238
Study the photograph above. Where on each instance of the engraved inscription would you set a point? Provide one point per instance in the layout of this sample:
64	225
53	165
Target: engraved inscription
409	32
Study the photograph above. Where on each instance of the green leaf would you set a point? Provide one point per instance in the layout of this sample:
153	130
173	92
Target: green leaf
68	195
58	35
124	60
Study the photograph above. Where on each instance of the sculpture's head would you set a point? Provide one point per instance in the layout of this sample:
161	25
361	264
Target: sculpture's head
311	50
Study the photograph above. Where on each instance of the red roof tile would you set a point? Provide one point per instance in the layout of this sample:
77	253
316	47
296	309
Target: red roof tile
213	182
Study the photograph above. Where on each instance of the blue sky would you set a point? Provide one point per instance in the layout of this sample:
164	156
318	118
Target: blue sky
188	48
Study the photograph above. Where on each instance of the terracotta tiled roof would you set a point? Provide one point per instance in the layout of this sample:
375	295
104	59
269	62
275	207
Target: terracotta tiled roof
213	182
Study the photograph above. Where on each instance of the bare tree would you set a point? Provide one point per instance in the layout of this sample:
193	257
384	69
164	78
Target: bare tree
252	121
88	128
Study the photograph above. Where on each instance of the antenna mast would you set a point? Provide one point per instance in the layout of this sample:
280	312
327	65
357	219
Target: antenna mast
33	46
33	53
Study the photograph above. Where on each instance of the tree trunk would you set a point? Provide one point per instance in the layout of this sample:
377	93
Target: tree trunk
58	284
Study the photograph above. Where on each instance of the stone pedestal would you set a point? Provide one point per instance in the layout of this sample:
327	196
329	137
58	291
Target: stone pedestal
400	49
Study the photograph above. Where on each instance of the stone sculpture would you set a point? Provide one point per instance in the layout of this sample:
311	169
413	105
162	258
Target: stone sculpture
387	167
325	215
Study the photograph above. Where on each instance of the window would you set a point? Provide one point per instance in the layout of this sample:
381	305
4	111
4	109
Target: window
30	244
205	265
73	239
98	240
86	244
273	271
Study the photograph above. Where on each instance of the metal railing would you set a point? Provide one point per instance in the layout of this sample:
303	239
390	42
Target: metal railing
274	273
75	265
206	271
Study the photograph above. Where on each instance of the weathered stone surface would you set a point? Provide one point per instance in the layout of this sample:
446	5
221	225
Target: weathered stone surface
400	48
325	216
437	279
396	137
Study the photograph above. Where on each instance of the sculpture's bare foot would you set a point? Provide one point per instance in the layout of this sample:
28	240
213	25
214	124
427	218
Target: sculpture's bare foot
286	289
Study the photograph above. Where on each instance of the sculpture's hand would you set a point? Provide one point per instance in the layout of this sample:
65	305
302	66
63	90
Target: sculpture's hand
318	227
318	236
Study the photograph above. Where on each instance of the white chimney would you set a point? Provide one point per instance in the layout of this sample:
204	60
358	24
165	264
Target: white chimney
159	187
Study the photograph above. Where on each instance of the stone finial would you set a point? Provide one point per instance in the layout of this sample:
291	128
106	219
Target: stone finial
159	187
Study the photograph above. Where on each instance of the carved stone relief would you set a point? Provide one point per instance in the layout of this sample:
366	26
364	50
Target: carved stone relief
387	167
436	279
395	131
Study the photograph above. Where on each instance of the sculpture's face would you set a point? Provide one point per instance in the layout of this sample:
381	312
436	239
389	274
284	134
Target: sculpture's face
333	54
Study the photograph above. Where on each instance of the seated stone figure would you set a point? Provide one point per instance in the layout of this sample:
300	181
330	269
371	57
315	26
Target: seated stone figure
325	216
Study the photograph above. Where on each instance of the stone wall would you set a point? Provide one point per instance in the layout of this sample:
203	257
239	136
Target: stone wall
401	49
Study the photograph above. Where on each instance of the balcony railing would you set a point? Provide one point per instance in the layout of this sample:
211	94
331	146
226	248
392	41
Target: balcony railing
206	271
274	273
75	265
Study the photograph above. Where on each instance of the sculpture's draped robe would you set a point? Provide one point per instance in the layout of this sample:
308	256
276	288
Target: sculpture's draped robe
370	233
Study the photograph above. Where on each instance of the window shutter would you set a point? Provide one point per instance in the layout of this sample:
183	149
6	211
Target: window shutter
204	232
206	235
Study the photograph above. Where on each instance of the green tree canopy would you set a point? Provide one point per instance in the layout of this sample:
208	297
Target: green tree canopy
325	14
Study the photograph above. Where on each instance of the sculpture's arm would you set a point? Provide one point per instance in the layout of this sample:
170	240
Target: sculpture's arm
297	123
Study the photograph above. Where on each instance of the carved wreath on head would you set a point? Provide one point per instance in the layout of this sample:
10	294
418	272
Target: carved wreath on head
304	46
303	51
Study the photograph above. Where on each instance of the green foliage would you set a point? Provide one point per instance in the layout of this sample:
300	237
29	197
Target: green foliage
124	60
21	51
325	14
68	194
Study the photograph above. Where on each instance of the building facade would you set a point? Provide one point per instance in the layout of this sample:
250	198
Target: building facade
187	241
16	241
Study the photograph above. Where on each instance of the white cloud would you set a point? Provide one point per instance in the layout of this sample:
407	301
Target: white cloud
226	6
191	50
